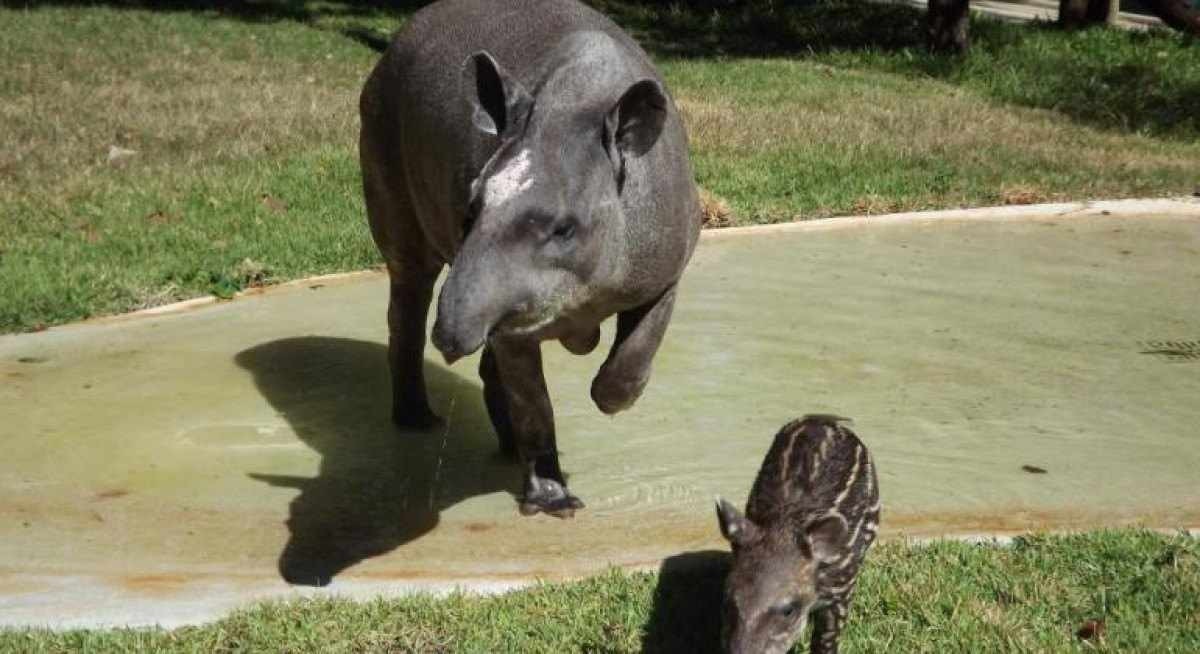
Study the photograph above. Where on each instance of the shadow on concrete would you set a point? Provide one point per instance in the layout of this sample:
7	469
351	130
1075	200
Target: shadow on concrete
686	616
378	486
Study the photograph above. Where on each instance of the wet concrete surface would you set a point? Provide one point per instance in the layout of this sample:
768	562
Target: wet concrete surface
165	469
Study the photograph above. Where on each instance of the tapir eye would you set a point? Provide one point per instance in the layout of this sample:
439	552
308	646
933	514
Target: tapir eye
564	230
787	610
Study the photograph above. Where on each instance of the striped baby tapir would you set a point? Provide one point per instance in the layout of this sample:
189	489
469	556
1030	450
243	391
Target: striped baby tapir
812	514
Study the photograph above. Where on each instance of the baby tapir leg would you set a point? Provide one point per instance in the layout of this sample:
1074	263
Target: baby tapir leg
639	333
520	366
827	626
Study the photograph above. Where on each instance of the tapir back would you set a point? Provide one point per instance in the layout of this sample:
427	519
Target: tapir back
415	93
818	465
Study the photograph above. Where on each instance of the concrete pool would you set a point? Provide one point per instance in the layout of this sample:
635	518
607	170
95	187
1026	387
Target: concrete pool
1009	375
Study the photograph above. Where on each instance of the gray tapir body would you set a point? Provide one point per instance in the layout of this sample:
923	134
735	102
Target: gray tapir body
531	145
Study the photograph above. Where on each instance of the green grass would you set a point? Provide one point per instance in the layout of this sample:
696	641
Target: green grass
1144	82
243	121
216	234
943	597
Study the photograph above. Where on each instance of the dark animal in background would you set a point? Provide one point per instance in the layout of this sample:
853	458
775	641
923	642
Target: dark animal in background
812	515
531	145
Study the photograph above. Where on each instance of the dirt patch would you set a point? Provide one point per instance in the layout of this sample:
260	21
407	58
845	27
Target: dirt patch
17	585
870	205
154	583
111	494
1022	195
714	211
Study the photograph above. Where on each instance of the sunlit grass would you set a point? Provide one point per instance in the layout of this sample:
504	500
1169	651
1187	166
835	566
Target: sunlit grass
232	133
1032	596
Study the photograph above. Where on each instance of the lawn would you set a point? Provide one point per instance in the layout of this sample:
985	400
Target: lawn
152	155
1036	595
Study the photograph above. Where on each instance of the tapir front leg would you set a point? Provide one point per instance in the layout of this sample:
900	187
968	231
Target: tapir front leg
827	627
519	363
639	333
496	399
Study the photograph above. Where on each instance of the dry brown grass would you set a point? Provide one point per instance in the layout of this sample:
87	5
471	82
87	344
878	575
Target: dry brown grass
956	126
184	102
146	155
181	102
1022	195
714	211
877	125
872	205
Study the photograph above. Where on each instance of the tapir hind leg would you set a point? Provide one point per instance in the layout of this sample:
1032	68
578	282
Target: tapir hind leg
412	268
408	307
519	363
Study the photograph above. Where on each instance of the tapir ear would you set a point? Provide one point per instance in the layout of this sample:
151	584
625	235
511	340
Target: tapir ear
498	101
734	526
826	536
635	122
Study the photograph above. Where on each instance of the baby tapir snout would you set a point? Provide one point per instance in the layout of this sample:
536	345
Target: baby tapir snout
812	514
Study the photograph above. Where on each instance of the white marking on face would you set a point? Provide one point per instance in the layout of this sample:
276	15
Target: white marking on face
508	181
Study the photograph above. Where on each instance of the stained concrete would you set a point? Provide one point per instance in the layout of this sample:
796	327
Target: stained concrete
165	469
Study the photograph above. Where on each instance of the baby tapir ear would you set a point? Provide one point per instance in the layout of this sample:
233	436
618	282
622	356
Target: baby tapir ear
498	101
636	120
734	526
826	536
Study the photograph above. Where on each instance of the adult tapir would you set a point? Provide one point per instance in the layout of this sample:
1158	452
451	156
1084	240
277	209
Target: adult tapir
531	145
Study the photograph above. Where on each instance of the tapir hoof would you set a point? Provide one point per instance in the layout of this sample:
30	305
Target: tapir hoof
549	497
421	418
613	395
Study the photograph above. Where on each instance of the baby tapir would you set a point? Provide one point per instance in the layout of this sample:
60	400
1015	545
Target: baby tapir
812	515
